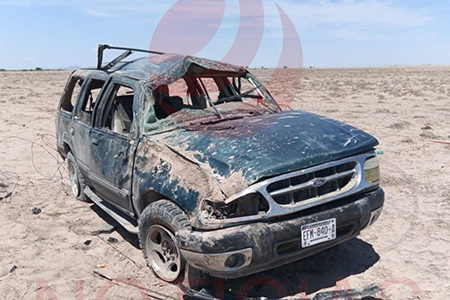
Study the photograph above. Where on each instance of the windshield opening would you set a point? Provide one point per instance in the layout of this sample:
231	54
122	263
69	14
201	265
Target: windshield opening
220	96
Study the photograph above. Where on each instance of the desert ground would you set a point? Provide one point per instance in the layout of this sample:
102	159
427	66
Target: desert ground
407	252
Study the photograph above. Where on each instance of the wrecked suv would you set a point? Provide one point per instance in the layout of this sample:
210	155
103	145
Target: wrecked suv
198	159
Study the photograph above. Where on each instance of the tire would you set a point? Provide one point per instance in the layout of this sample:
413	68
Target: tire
76	178
158	224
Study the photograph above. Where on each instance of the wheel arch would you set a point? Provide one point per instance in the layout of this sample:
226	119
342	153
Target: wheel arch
65	143
152	196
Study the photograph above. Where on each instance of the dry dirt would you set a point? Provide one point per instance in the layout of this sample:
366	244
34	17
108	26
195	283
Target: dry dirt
407	249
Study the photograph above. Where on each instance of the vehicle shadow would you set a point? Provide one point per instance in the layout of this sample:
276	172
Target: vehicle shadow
310	275
130	238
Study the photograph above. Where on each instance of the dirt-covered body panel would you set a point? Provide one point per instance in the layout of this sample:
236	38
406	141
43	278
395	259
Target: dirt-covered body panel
240	152
159	169
271	244
209	140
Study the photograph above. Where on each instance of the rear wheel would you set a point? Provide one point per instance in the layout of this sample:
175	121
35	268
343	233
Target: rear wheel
158	225
76	178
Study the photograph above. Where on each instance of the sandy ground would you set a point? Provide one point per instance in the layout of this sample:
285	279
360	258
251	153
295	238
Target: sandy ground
407	251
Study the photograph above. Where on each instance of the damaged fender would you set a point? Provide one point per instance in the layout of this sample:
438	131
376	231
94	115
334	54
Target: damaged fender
161	173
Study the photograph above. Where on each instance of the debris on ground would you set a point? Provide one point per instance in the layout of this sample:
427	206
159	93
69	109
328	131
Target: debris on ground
102	276
13	269
107	229
3	189
112	240
102	266
441	142
408	140
36	210
6	196
87	242
372	292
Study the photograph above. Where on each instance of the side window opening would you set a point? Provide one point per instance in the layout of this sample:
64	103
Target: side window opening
71	96
90	98
119	112
170	99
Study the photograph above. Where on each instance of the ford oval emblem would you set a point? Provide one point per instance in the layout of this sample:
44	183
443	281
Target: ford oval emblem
319	182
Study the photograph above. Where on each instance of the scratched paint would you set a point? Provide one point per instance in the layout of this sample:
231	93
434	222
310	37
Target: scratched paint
273	145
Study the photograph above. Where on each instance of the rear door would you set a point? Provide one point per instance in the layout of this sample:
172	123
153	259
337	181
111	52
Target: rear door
113	141
83	121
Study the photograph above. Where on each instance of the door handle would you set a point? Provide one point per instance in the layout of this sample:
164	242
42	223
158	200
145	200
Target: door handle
94	141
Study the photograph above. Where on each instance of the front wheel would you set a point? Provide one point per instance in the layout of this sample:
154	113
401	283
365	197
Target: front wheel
158	225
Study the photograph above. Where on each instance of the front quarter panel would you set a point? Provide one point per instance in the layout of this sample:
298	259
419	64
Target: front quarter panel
159	169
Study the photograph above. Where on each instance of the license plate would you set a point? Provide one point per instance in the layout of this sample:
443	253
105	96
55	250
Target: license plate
319	232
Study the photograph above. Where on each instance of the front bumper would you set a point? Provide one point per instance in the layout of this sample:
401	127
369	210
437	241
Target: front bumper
265	245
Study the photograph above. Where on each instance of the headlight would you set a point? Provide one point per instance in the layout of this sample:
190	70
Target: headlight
246	206
372	169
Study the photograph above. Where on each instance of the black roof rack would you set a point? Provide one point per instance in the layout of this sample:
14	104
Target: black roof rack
118	59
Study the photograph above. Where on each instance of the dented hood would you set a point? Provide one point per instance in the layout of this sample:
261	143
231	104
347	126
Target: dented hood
260	147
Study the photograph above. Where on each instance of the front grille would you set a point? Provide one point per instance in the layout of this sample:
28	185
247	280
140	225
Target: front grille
297	189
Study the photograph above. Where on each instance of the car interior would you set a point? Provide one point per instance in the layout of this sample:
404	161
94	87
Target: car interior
191	92
119	117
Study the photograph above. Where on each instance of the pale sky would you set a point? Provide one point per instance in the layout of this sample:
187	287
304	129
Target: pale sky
332	33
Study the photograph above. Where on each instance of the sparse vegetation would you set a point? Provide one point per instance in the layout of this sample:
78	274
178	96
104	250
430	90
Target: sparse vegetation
38	69
2	70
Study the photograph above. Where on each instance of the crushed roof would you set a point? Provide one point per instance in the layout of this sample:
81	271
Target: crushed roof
168	68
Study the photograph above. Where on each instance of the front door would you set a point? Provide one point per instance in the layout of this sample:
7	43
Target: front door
112	145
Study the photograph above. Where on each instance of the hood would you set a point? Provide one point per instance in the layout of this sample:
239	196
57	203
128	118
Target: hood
265	146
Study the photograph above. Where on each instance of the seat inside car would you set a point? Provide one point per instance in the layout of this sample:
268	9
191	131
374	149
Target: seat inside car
123	114
165	104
